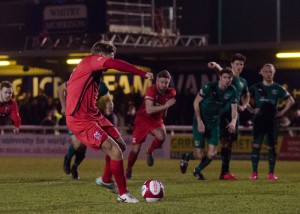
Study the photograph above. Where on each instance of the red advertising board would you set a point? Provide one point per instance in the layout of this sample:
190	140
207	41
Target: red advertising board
290	148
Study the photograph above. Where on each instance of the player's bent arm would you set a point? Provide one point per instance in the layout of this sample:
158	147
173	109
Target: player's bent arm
151	108
61	95
15	117
215	66
290	101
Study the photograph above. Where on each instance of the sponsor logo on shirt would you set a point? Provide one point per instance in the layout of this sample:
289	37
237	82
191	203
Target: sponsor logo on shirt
274	91
97	135
227	96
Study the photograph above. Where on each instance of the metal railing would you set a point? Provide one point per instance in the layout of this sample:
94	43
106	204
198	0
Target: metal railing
172	129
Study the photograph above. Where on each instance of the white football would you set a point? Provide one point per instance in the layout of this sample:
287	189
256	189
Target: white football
153	191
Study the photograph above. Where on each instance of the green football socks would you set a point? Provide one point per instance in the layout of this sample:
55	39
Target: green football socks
189	156
71	152
255	158
204	163
225	160
272	160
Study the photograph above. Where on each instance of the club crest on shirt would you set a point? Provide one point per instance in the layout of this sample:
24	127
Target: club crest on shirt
97	135
6	110
274	91
241	84
227	96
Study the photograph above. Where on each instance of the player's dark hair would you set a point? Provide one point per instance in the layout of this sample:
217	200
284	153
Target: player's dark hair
226	70
105	47
238	56
164	74
5	84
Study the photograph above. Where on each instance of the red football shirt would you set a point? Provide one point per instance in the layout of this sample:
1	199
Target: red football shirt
83	85
153	94
11	108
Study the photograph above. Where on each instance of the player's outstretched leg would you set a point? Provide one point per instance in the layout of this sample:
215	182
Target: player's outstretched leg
205	161
150	160
67	159
132	157
184	163
186	157
198	174
111	185
80	155
156	143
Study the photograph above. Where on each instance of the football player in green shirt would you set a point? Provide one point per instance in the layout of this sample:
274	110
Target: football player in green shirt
264	105
227	139
208	106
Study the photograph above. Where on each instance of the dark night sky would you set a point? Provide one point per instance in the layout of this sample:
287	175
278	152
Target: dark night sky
242	21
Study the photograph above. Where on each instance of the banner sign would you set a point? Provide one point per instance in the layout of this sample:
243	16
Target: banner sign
34	145
288	148
50	145
65	18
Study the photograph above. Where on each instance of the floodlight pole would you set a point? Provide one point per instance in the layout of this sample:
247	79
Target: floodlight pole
153	15
278	21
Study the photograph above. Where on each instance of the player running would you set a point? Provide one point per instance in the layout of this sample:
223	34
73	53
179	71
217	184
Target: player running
226	138
150	119
208	106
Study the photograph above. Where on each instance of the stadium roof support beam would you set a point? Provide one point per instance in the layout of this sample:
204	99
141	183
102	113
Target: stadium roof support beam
155	40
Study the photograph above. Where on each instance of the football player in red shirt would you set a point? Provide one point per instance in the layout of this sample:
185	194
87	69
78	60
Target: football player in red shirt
8	105
149	119
86	121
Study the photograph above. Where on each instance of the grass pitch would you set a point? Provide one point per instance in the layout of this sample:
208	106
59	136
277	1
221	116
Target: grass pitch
39	185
